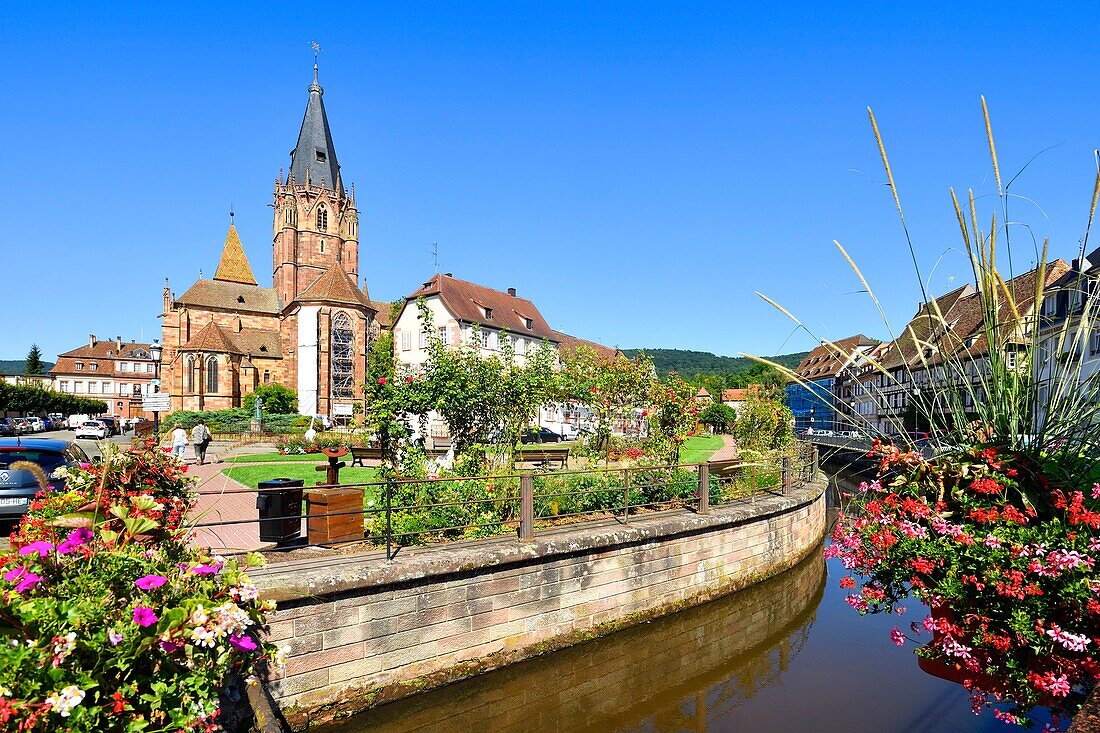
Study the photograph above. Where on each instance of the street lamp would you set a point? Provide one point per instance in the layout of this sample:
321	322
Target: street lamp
812	408
155	353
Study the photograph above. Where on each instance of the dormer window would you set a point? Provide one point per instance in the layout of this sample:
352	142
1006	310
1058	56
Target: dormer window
240	298
263	349
321	156
322	219
80	366
529	323
95	366
488	314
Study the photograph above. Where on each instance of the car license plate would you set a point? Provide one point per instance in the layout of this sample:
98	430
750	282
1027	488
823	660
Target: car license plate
17	501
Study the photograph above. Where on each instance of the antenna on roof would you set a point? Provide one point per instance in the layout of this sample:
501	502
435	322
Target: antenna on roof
435	256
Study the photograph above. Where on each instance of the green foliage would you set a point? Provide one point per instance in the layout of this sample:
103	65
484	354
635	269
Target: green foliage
675	415
703	362
33	365
111	621
31	399
718	417
15	366
234	420
277	400
612	387
764	422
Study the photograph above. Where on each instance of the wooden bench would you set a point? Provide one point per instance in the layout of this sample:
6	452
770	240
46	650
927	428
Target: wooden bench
363	453
543	457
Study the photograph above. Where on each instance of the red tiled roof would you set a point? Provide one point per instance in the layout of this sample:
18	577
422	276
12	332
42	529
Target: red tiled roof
467	301
212	338
232	296
827	360
334	286
733	395
103	354
572	342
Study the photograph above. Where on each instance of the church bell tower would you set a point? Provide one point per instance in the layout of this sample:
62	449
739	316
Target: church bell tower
316	224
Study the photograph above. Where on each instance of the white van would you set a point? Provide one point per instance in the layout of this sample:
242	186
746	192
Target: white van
75	421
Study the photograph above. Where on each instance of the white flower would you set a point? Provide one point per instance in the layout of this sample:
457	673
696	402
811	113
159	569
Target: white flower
280	656
199	616
5	692
64	701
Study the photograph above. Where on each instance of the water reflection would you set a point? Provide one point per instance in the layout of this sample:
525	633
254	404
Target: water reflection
785	655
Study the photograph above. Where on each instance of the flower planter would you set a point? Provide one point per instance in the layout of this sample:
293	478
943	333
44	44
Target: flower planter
335	516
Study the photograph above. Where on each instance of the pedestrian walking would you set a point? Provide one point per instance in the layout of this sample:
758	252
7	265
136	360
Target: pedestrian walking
200	436
179	441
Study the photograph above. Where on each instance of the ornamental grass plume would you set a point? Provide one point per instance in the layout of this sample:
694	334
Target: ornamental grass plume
995	525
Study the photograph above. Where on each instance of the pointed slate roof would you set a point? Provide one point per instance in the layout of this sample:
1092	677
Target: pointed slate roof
334	286
313	159
233	267
212	338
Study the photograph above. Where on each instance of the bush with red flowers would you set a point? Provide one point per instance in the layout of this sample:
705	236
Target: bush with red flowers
1005	557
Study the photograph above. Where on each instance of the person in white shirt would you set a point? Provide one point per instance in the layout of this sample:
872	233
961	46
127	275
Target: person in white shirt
179	441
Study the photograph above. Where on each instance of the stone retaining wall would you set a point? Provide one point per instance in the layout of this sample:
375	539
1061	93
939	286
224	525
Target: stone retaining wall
362	631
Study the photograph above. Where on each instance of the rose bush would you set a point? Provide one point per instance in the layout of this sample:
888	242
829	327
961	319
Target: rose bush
1003	550
111	621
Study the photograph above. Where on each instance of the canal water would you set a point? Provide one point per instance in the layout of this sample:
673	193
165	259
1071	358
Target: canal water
787	655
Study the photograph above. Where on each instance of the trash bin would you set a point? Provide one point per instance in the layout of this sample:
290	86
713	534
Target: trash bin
280	506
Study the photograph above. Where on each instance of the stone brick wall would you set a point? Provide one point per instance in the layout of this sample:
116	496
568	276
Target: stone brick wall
362	630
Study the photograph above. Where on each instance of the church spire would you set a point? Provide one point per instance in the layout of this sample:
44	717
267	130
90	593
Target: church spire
313	159
233	266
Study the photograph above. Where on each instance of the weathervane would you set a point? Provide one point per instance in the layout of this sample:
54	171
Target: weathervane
316	50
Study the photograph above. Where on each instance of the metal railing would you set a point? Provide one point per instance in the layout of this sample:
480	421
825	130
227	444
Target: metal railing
404	512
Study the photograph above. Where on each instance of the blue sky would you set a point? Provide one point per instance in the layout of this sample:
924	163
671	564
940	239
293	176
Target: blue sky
637	170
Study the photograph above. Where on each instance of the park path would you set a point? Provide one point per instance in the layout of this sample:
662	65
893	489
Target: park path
728	451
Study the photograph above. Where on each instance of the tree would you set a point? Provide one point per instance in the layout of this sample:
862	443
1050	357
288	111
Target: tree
764	421
33	365
278	400
675	415
718	417
610	386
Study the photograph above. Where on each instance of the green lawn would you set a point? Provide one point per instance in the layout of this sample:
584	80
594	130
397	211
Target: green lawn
699	448
251	476
277	458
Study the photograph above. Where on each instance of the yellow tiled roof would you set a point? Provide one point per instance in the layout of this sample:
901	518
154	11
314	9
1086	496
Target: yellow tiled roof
233	266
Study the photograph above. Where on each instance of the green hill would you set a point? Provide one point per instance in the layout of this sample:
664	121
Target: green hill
15	366
689	363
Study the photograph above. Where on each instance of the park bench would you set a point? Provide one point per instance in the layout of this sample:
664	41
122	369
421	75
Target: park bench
363	453
543	457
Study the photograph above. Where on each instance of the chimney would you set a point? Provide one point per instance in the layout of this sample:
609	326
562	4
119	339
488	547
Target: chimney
118	343
512	292
91	339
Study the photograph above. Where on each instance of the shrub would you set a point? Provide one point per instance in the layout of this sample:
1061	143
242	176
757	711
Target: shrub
114	622
277	400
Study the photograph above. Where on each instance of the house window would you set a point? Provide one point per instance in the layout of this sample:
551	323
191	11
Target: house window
64	386
212	375
137	390
1094	343
1010	359
192	375
406	340
124	366
124	389
443	335
80	366
267	376
424	338
322	219
519	345
484	338
343	368
322	246
95	367
106	388
93	387
488	314
529	323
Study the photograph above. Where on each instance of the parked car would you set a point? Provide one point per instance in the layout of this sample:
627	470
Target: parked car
75	421
22	427
540	435
569	432
18	487
112	425
7	427
93	429
37	424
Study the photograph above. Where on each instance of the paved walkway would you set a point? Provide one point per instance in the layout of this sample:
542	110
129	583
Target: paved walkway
728	451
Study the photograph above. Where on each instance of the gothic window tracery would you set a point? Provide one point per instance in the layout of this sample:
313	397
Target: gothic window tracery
212	375
343	347
322	219
192	374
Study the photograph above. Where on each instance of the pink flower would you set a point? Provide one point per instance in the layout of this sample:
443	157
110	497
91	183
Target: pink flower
1096	491
382	380
897	636
203	569
149	582
42	548
24	579
170	646
242	643
144	616
114	637
75	539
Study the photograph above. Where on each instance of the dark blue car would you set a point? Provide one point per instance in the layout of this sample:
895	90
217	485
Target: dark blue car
17	486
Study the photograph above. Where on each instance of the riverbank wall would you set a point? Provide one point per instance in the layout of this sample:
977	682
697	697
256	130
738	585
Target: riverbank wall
362	630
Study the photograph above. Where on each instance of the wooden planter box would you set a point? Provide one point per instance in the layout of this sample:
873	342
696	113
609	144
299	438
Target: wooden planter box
335	515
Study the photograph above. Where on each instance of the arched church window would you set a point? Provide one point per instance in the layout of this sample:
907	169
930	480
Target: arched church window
212	375
192	375
343	366
322	219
